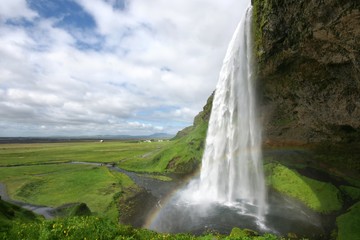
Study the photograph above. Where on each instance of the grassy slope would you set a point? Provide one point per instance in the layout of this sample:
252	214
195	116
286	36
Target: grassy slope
55	185
185	154
319	196
10	212
182	155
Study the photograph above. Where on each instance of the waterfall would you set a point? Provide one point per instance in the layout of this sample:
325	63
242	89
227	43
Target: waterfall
232	170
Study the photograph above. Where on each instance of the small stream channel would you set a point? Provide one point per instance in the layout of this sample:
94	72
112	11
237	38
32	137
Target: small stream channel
40	210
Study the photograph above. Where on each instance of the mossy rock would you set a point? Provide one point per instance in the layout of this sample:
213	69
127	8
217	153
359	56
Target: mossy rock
320	196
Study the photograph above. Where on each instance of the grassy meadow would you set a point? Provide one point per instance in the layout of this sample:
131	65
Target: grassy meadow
58	184
41	173
108	151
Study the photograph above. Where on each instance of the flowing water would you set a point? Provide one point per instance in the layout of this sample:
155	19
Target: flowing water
232	170
231	174
230	190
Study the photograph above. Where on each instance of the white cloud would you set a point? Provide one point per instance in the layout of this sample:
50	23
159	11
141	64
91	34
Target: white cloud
15	9
152	67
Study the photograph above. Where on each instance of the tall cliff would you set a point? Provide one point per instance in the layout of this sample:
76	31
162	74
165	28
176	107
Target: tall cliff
308	77
309	69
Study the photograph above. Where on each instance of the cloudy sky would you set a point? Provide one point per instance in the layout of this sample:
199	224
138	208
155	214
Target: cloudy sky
85	67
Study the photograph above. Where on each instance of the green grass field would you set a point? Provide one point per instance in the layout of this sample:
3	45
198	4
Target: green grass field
41	173
111	151
58	184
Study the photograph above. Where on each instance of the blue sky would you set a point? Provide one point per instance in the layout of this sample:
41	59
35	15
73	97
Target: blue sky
85	67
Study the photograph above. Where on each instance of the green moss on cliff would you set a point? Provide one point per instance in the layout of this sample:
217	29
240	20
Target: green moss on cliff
319	196
261	10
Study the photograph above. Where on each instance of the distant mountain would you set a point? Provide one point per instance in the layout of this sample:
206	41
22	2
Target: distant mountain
152	136
83	138
161	135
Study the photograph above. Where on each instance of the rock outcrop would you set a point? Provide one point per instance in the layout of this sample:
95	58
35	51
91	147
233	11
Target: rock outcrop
309	69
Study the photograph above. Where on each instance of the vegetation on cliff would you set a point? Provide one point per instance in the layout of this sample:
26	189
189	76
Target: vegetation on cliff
185	153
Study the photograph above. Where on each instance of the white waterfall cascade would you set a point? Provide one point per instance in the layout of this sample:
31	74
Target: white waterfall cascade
232	169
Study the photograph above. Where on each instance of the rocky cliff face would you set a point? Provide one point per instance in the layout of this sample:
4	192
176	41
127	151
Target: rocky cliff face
308	77
309	69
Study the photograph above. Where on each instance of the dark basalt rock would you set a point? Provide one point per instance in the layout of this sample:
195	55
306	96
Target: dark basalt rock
309	69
